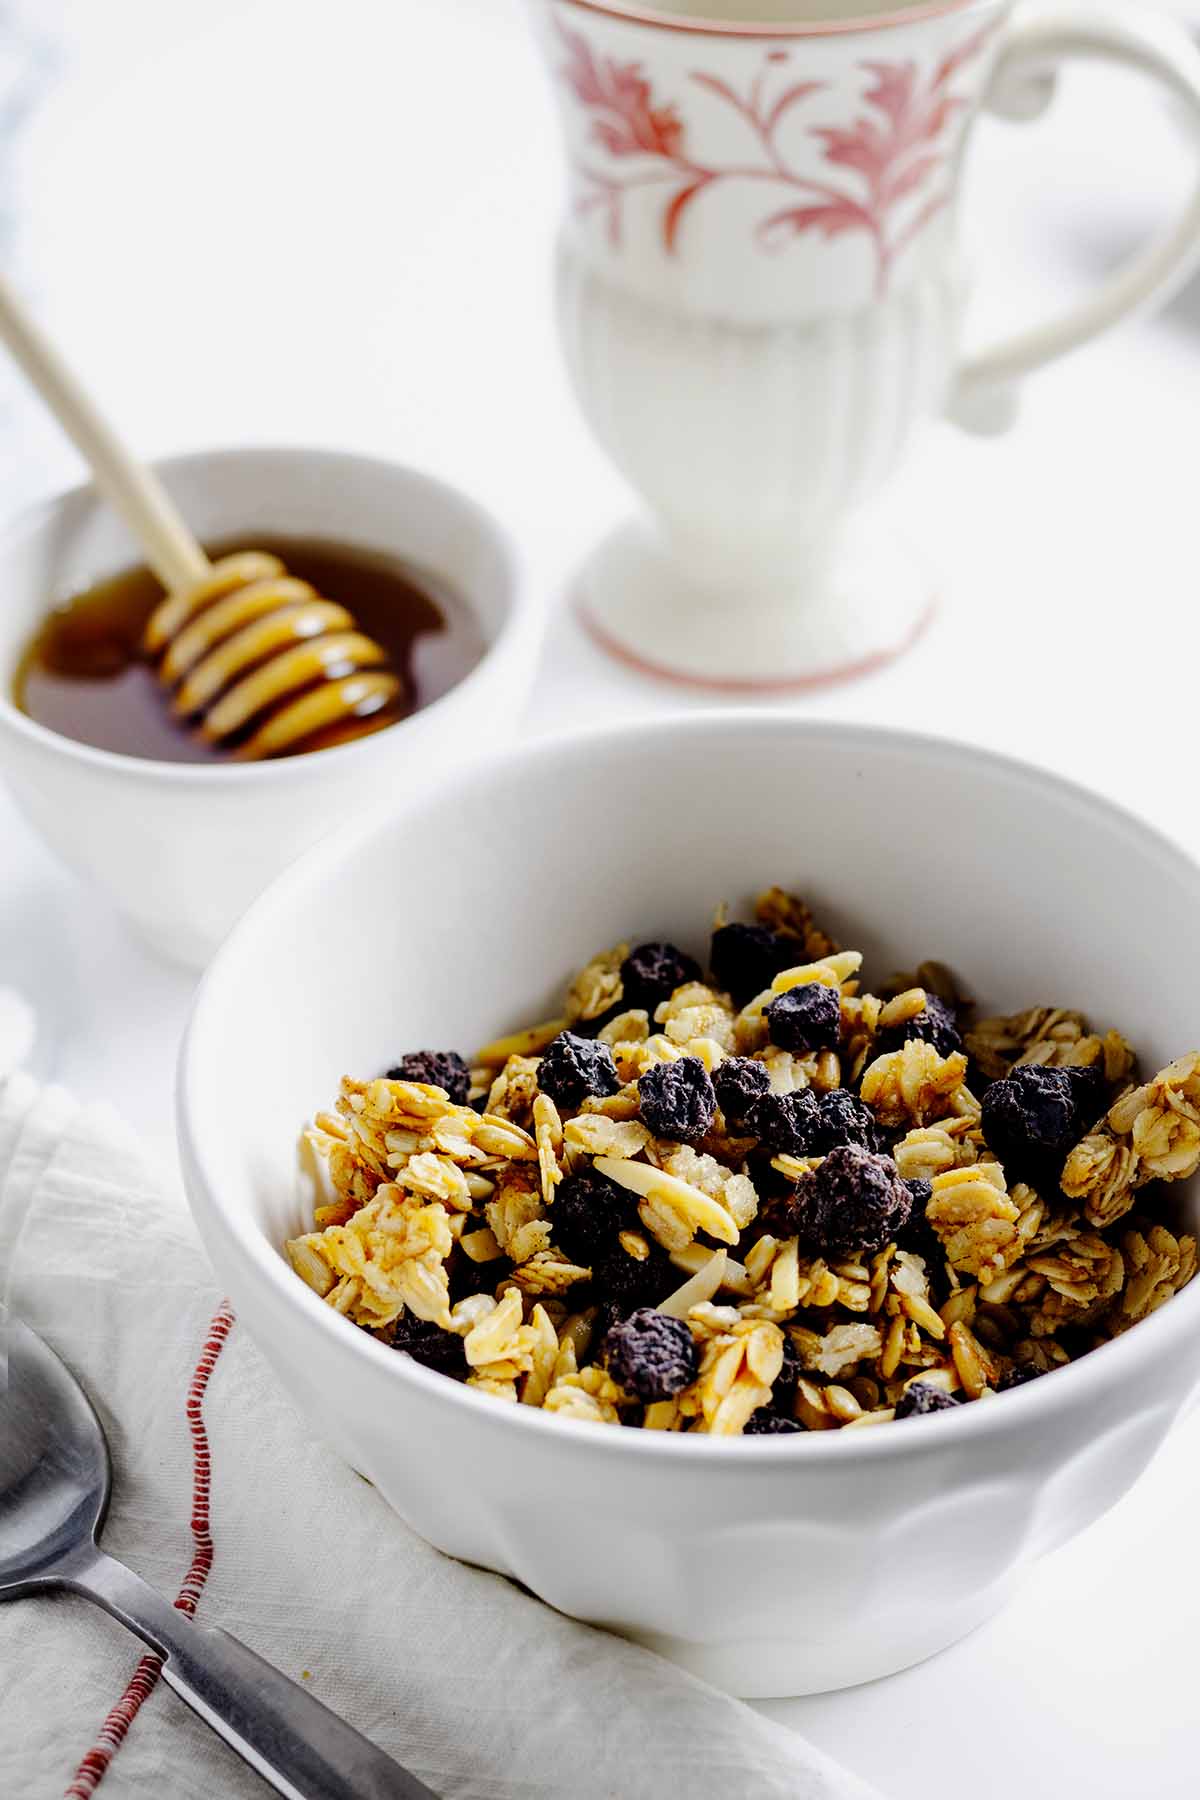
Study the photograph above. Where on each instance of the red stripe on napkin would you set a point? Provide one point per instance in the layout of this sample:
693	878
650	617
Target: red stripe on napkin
112	1733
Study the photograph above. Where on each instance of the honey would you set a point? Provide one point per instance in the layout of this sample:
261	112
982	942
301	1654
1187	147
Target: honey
86	676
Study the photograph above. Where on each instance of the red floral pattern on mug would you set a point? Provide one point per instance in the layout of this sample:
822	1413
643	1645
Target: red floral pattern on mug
889	162
625	123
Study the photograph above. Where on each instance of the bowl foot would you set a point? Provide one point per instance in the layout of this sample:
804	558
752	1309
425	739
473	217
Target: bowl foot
788	1669
869	605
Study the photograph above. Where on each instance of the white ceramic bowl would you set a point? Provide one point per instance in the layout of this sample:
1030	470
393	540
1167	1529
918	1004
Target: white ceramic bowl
771	1566
182	849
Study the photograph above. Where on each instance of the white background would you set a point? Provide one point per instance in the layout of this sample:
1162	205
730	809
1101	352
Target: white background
294	221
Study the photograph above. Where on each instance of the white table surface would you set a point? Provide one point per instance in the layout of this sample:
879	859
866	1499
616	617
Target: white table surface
280	220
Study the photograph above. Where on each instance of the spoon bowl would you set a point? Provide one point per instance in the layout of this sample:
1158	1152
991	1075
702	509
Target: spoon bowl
55	1473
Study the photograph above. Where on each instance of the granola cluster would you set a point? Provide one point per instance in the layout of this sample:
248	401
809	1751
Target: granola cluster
761	1202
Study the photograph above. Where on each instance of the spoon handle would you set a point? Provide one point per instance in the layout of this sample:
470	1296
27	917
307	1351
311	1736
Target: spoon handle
305	1751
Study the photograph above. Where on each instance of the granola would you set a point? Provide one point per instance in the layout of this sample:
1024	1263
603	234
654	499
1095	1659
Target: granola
899	1209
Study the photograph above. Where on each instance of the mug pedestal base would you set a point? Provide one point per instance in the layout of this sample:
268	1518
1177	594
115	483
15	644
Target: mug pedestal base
870	605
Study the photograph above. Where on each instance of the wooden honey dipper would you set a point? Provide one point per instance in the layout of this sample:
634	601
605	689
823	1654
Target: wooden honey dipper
247	652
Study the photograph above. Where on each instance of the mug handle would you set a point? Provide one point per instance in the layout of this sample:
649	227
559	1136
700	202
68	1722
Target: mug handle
985	393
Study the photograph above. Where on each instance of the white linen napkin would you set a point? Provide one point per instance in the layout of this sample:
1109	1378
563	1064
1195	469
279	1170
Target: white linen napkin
221	1496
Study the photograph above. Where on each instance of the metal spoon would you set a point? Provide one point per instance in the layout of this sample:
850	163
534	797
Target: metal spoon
55	1479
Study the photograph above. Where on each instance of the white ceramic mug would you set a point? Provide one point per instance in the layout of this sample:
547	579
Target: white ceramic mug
761	296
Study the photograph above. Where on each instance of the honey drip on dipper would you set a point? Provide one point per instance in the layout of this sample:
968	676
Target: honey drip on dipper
250	646
250	655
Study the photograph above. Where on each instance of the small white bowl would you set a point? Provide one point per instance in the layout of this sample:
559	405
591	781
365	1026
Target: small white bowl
182	849
769	1565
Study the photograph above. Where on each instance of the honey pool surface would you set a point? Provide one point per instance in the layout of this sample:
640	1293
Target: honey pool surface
84	674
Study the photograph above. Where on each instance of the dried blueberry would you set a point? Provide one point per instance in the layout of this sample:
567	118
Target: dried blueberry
918	1236
1019	1375
437	1068
623	1283
574	1068
845	1119
467	1277
651	1355
588	1212
788	1124
806	1018
936	1024
1032	1119
651	973
428	1344
745	959
740	1082
853	1202
921	1398
676	1099
1091	1094
764	1423
783	1392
